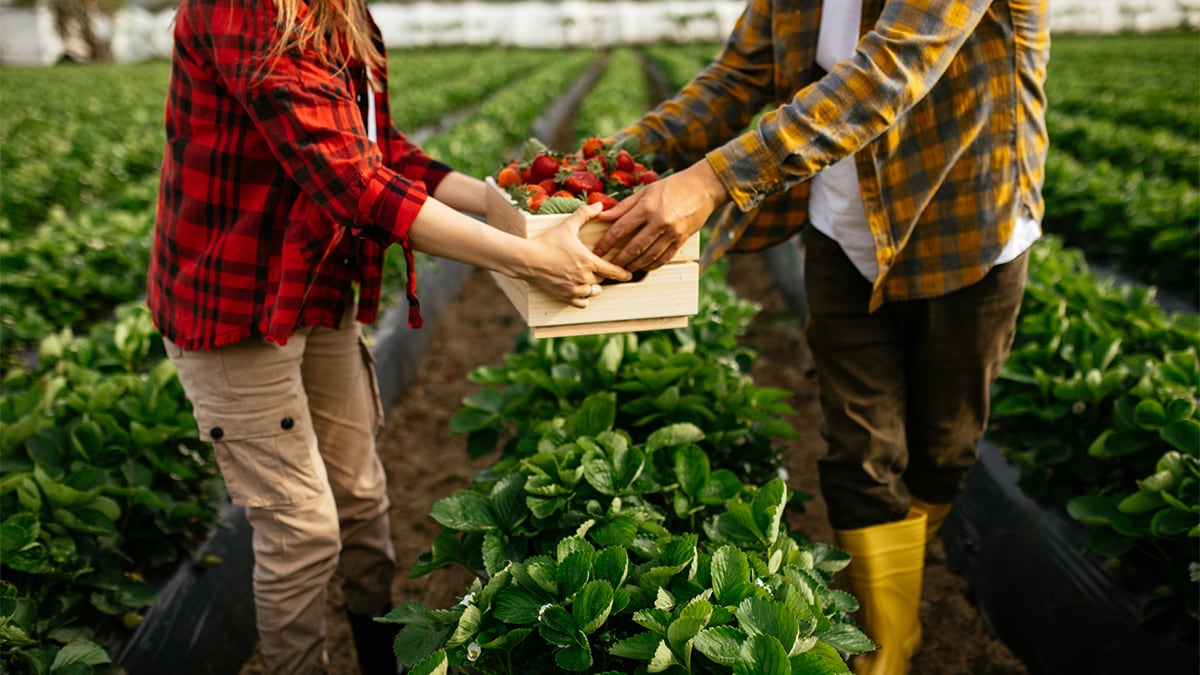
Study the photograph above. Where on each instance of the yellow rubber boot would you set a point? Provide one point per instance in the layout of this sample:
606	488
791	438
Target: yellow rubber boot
886	566
935	514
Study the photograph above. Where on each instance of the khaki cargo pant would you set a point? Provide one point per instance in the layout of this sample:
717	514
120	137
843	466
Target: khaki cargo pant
904	391
293	429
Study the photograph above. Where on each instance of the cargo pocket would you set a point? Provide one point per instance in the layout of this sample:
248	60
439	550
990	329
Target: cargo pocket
373	379
267	457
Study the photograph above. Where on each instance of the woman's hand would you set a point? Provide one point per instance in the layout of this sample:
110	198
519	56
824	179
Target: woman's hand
557	262
562	266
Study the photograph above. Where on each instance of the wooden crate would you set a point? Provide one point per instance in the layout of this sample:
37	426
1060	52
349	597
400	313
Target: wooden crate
663	298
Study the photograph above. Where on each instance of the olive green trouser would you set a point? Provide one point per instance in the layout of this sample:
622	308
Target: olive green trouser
293	429
905	390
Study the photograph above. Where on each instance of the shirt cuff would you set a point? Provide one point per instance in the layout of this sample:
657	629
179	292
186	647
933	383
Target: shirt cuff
746	169
389	204
433	175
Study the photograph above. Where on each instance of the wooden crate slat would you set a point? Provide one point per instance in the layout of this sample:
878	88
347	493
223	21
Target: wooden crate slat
663	298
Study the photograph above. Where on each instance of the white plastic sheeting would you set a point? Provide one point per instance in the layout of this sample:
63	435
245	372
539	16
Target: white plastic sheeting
27	36
553	24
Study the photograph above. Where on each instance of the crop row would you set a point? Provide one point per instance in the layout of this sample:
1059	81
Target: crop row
1153	152
1146	81
1146	226
614	99
1097	405
428	84
1123	173
481	142
79	139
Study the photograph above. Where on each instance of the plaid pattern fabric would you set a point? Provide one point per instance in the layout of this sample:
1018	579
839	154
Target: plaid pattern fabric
273	202
943	104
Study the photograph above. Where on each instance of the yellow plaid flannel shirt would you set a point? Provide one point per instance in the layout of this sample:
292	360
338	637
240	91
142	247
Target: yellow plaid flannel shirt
943	103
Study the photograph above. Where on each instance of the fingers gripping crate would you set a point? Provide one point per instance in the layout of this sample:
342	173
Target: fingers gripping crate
663	298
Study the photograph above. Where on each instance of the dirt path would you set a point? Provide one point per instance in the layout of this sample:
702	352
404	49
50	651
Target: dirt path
425	463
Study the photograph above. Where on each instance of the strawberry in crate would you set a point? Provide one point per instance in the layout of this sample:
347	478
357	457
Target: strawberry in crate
545	182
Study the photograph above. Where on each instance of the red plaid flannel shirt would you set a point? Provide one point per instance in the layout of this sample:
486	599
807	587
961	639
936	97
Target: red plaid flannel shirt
273	202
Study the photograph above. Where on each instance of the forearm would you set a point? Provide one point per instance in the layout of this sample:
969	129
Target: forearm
462	193
444	232
557	261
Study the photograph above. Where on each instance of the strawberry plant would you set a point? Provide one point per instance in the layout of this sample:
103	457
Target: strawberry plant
602	485
79	138
42	273
1138	81
1143	225
653	602
1154	152
104	481
1097	406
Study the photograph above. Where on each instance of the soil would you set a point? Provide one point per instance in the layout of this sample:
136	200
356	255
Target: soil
425	463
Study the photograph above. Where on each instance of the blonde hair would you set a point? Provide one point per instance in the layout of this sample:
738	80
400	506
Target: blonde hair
338	31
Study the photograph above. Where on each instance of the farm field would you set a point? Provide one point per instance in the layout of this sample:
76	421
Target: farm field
104	484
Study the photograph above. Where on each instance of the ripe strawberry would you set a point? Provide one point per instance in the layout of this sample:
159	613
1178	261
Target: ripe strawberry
580	182
549	185
536	196
625	161
647	177
592	147
623	177
608	201
562	193
508	177
542	167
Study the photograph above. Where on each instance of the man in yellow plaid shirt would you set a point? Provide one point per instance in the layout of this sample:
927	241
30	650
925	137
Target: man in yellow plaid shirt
909	135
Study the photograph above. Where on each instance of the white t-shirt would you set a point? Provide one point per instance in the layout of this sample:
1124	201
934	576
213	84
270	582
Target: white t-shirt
835	204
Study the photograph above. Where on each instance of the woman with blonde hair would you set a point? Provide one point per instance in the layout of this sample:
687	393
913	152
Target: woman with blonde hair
283	184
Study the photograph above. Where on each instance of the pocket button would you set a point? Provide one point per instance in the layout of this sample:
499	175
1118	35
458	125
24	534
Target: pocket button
286	423
216	433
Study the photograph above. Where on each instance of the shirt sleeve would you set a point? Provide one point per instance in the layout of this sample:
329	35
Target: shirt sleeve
308	116
404	156
894	66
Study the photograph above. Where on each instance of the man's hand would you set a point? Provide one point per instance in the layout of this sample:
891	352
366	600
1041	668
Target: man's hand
654	222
